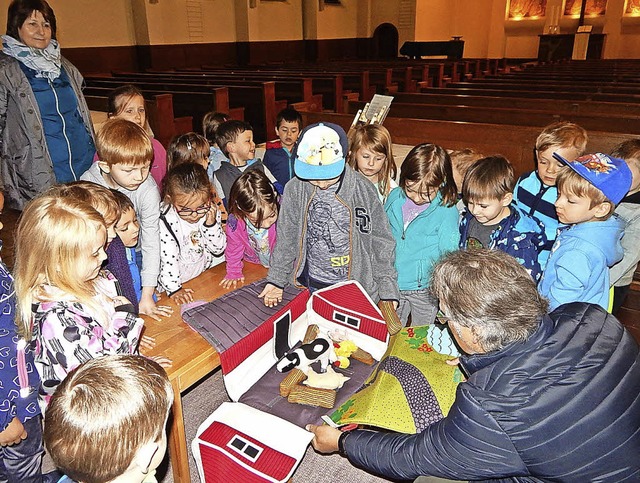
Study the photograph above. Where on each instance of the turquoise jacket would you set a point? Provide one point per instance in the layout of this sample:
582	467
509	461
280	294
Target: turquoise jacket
432	234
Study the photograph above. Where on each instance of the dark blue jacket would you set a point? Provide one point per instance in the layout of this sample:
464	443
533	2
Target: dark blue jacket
279	161
519	235
562	406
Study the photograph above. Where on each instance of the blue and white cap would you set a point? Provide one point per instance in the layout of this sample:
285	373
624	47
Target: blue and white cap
320	152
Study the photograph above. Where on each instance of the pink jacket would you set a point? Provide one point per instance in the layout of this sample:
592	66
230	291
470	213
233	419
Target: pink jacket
239	248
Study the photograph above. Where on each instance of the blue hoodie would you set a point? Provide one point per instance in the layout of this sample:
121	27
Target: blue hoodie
519	235
432	234
578	267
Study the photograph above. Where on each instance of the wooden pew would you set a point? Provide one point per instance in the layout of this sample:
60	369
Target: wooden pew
292	89
160	114
509	115
516	143
551	94
542	86
551	105
258	99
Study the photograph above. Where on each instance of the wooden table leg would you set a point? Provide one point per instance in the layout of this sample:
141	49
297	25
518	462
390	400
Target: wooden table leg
177	439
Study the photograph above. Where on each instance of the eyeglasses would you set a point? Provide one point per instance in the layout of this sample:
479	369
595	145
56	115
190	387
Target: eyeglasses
200	210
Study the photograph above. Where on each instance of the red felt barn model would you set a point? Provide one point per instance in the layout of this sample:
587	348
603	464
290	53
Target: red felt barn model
261	437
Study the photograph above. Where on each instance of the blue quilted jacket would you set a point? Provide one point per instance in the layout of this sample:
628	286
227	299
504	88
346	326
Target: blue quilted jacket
519	235
562	406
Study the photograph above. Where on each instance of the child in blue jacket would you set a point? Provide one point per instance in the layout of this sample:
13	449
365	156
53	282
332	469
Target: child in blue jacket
535	192
492	221
424	222
588	192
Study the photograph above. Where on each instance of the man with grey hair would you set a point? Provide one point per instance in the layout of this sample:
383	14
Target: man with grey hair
549	397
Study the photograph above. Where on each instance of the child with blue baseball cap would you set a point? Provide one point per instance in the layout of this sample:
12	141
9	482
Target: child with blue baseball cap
589	188
331	226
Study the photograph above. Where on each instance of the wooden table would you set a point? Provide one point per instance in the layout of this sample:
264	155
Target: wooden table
193	357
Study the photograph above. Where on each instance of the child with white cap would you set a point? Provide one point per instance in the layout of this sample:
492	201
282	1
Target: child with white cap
331	226
588	192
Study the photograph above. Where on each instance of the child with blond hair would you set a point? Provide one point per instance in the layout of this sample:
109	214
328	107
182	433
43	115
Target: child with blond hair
67	306
535	193
589	188
371	153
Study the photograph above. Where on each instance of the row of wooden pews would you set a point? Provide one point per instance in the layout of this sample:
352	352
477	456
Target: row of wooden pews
257	93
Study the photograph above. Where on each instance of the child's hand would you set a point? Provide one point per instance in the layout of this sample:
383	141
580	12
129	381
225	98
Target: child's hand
162	360
147	342
182	296
14	433
231	282
271	294
119	300
148	307
211	215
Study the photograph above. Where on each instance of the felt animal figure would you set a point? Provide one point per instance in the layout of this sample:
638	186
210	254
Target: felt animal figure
328	380
319	349
343	351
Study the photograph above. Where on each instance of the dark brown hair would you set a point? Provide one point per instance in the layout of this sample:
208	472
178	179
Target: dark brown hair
210	123
20	10
249	193
430	164
289	115
190	147
186	178
228	132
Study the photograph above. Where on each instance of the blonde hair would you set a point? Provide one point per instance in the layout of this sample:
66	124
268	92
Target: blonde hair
103	412
489	178
98	197
562	134
430	164
187	148
119	99
376	138
568	181
53	234
124	142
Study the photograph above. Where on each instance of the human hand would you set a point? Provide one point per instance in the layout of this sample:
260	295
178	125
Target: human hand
119	300
162	360
148	307
211	215
182	296
147	342
14	433
228	283
453	362
325	439
271	294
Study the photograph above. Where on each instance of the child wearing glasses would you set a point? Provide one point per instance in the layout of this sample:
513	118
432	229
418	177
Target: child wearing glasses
191	235
424	222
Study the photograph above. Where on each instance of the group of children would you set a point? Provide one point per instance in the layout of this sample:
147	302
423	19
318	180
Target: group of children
321	208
